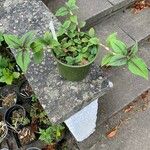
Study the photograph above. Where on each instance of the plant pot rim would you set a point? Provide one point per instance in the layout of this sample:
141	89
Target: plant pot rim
71	66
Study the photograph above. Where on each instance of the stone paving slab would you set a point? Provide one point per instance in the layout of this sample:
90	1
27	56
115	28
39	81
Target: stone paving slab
133	133
92	11
59	98
121	2
135	25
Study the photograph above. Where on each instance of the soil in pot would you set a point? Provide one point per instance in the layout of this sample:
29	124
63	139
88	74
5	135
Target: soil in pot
26	136
50	147
25	92
9	100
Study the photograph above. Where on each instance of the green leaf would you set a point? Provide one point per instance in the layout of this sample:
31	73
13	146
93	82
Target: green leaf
94	41
84	49
82	24
111	37
94	50
70	60
62	11
13	41
118	47
72	4
138	67
92	32
79	58
37	46
72	28
66	24
117	60
134	49
16	75
38	57
27	39
23	60
106	59
74	19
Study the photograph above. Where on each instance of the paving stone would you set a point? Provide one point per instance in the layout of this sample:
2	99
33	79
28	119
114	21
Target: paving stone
135	25
121	2
133	134
88	10
92	11
59	98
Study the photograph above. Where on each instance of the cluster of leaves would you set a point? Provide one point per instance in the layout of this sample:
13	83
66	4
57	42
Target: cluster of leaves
119	55
52	134
18	119
37	113
72	46
7	71
23	47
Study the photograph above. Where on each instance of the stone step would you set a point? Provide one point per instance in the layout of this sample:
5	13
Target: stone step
92	11
127	87
133	128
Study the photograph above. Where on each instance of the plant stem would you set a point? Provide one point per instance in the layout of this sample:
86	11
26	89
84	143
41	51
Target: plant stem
107	48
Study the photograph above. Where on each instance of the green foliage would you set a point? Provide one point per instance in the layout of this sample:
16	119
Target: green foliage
18	119
23	47
120	56
7	71
73	46
37	113
52	134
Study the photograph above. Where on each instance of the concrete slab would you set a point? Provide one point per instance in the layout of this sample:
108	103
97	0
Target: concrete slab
59	98
89	10
133	134
92	11
135	25
121	2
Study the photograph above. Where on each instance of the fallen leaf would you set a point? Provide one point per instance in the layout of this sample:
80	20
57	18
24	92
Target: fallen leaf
128	108
112	133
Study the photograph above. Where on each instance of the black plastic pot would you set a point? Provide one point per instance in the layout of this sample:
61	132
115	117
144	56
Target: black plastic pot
2	84
9	112
20	97
8	121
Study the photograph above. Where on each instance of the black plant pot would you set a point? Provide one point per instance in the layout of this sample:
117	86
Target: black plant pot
8	121
2	84
22	98
9	112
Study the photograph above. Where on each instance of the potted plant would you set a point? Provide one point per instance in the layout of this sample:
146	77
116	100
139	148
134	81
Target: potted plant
18	122
51	136
3	130
9	100
73	49
24	91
